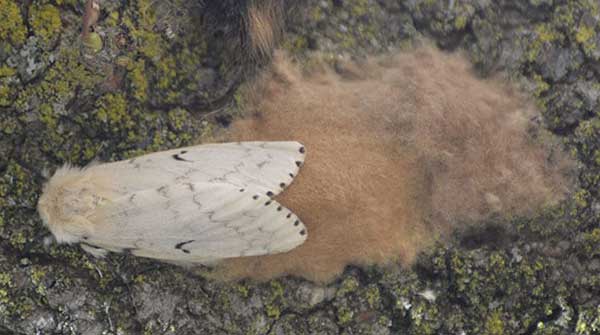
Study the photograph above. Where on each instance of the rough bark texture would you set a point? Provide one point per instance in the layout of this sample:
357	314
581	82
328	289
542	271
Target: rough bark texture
157	75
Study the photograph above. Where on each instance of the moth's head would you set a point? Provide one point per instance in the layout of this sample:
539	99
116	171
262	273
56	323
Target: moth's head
55	202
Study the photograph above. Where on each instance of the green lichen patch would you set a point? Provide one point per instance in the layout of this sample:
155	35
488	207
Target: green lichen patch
273	305
12	28
17	187
111	111
172	69
545	35
588	322
447	20
590	243
352	27
45	22
494	325
8	83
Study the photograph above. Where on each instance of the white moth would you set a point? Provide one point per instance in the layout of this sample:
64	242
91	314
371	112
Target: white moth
197	204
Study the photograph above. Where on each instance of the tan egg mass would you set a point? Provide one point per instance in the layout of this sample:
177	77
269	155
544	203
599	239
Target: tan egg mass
401	150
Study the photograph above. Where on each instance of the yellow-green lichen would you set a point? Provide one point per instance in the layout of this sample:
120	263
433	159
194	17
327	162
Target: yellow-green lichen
15	183
540	85
60	82
6	71
150	44
147	16
6	95
581	198
460	22
349	285
167	72
272	311
45	21
47	115
596	156
422	316
567	15
243	289
139	83
316	13
544	33
12	28
494	324
272	306
18	240
169	68
588	322
66	2
177	118
112	111
139	279
373	296
4	299
112	19
359	7
497	262
585	36
177	76
344	315
37	275
591	241
5	280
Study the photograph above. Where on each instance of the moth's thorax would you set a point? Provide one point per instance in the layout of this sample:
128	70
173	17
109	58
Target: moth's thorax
66	202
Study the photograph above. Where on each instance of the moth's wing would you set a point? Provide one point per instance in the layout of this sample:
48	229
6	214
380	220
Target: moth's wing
264	167
196	223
